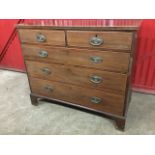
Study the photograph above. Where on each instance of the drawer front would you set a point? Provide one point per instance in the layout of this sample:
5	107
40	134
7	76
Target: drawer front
48	37
103	60
95	79
95	99
97	39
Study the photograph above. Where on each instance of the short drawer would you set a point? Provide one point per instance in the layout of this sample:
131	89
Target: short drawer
98	39
102	60
49	37
91	78
93	99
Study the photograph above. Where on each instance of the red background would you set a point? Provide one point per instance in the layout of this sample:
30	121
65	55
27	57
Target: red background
144	69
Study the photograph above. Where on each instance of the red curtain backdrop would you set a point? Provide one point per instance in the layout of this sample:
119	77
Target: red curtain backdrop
10	51
144	69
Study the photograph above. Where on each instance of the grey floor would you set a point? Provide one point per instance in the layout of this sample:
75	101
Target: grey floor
18	116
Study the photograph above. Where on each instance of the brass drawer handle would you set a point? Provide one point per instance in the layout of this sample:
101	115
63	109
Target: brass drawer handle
96	41
46	71
48	88
95	100
96	79
43	54
96	59
40	38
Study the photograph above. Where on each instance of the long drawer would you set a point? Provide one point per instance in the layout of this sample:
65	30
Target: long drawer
44	37
97	39
98	100
102	60
95	79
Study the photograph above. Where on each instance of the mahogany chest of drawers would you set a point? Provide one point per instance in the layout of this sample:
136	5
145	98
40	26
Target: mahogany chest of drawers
84	67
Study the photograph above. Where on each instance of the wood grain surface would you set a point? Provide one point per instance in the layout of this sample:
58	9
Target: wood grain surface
111	61
111	40
111	82
56	37
111	103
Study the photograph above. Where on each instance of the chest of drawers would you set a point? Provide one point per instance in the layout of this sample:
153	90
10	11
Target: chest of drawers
84	67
